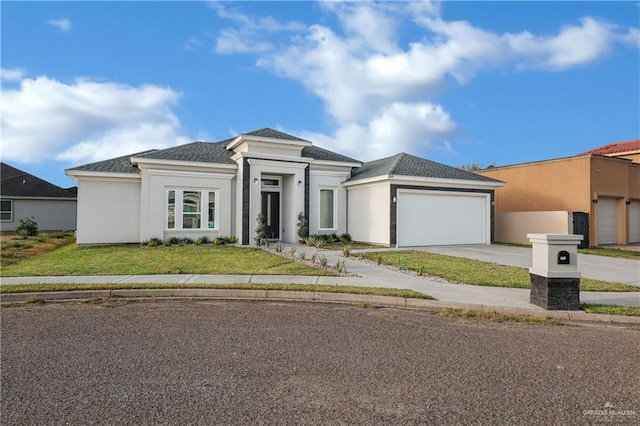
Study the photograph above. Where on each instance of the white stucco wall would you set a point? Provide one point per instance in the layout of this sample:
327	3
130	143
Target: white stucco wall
108	211
154	190
369	212
291	196
513	227
328	179
51	215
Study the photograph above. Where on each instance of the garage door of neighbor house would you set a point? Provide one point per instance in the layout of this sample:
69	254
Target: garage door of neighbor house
634	222
607	220
427	218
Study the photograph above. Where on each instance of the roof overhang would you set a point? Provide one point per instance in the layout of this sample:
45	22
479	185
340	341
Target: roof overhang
77	174
250	138
160	161
428	181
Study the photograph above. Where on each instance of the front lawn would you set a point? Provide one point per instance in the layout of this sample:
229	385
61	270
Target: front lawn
137	260
475	272
15	249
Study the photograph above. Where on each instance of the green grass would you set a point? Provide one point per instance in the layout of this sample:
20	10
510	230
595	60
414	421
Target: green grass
611	252
598	251
378	291
491	316
633	311
136	260
475	272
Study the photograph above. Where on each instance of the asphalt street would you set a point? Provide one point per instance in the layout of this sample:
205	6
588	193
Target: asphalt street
214	362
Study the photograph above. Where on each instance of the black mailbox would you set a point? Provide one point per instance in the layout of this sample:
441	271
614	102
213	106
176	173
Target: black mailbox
563	257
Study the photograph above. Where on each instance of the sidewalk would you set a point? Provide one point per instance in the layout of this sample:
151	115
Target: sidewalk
369	275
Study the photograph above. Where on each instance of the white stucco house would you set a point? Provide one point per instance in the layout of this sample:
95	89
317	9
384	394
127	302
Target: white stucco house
219	188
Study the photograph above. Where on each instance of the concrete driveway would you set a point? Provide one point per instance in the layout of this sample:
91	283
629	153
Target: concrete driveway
596	267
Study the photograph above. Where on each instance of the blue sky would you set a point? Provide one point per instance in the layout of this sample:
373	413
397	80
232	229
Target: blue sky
456	82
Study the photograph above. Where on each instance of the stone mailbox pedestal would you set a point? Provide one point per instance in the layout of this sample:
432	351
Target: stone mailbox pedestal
555	280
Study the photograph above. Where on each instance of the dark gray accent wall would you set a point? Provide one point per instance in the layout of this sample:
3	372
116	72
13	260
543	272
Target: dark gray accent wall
246	195
306	193
393	214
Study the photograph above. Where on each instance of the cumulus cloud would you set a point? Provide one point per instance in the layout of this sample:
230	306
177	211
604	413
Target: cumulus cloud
85	121
380	93
249	36
12	75
63	24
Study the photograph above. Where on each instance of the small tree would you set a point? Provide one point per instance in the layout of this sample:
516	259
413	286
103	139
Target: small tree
261	230
28	227
303	226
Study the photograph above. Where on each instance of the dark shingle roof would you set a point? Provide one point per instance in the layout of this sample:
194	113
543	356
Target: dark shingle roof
202	152
323	154
113	165
16	183
270	133
409	165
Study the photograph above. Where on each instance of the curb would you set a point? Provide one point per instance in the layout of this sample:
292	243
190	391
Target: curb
311	296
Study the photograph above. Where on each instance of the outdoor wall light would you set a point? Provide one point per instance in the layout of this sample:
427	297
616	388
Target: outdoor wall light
255	180
394	199
299	182
628	202
595	201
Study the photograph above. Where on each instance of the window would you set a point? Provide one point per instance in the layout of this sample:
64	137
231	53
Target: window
198	209
6	210
327	208
171	202
212	210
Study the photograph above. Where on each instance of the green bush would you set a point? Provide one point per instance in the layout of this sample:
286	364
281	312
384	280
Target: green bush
28	227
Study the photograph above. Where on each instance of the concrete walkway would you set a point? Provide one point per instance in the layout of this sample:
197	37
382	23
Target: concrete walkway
369	275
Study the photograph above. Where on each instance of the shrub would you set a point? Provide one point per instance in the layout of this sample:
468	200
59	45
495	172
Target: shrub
267	244
261	230
345	238
28	227
153	242
323	261
314	257
346	250
303	226
231	240
292	251
302	255
174	240
279	247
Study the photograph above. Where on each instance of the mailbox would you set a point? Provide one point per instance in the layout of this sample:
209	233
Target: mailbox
563	258
555	280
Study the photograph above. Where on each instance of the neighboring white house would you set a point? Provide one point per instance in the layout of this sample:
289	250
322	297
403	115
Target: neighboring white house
24	195
219	188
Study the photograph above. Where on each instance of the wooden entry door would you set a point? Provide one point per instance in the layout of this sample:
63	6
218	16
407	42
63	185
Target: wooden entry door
271	213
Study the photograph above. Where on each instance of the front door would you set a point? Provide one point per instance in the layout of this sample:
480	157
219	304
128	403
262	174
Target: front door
271	213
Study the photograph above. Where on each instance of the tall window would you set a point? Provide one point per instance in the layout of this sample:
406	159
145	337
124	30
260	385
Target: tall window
6	210
212	210
171	203
327	207
191	209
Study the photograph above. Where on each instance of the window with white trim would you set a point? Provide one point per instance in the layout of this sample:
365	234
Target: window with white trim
327	208
191	209
6	210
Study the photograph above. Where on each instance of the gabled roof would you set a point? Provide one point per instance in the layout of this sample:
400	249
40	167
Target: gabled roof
409	165
615	148
113	165
17	183
200	152
274	134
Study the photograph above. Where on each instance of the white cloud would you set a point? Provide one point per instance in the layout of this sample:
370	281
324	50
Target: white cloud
370	83
12	75
251	36
63	24
85	121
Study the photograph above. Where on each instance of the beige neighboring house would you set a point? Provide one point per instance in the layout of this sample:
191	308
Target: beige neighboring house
601	185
